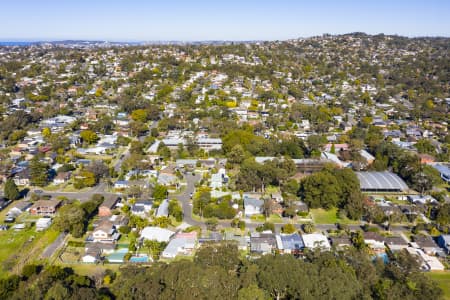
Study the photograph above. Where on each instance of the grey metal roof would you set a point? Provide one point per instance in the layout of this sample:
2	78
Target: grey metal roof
292	241
443	169
381	181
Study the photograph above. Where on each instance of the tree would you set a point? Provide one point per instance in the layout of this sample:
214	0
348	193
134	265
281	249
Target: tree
309	227
266	226
333	149
236	154
224	254
46	132
211	224
321	190
443	215
38	172
71	218
154	247
425	146
160	192
252	292
354	207
85	179
139	115
10	190
357	239
288	228
422	182
99	169
175	210
88	136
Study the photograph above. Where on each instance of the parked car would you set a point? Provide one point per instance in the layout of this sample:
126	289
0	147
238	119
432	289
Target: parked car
10	220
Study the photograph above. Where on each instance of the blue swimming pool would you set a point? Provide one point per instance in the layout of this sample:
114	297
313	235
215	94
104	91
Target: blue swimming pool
383	256
139	259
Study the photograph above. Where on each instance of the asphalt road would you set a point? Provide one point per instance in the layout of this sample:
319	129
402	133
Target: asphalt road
48	252
123	156
185	199
82	196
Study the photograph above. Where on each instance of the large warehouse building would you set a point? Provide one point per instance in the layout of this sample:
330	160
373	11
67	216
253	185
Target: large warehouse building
381	182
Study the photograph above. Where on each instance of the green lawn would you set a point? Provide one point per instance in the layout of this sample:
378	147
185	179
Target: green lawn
22	247
258	218
275	219
322	216
91	269
443	279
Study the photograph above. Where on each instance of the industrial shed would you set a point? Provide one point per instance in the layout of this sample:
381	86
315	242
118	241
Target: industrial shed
381	182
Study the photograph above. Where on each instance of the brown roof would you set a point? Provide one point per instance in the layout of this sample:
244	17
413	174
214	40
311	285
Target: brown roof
104	225
373	236
394	240
424	241
46	203
110	201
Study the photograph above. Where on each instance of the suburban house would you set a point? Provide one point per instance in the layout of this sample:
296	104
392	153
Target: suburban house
43	223
121	184
45	207
277	197
290	243
22	177
421	199
182	243
316	240
425	243
141	207
4	203
167	179
156	233
163	209
341	242
105	209
18	208
94	251
444	171
374	241
105	232
444	242
218	179
395	243
429	263
262	243
253	206
62	177
91	255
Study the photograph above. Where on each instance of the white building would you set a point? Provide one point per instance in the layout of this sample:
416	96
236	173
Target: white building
156	233
316	240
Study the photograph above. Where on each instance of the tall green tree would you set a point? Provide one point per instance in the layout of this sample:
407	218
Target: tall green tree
39	172
11	191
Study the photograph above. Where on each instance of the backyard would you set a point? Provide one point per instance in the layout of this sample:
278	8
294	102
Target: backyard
443	279
331	216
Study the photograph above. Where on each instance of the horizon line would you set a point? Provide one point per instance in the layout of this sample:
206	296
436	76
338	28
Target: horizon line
44	40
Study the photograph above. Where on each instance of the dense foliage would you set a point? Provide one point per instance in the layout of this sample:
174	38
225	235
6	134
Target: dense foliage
218	273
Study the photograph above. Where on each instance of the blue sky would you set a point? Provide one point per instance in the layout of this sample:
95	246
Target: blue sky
139	20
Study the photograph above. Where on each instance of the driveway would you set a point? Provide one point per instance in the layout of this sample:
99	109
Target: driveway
185	199
48	252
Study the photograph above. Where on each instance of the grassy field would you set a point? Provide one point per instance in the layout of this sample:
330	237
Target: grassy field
22	247
90	269
275	219
322	216
443	279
